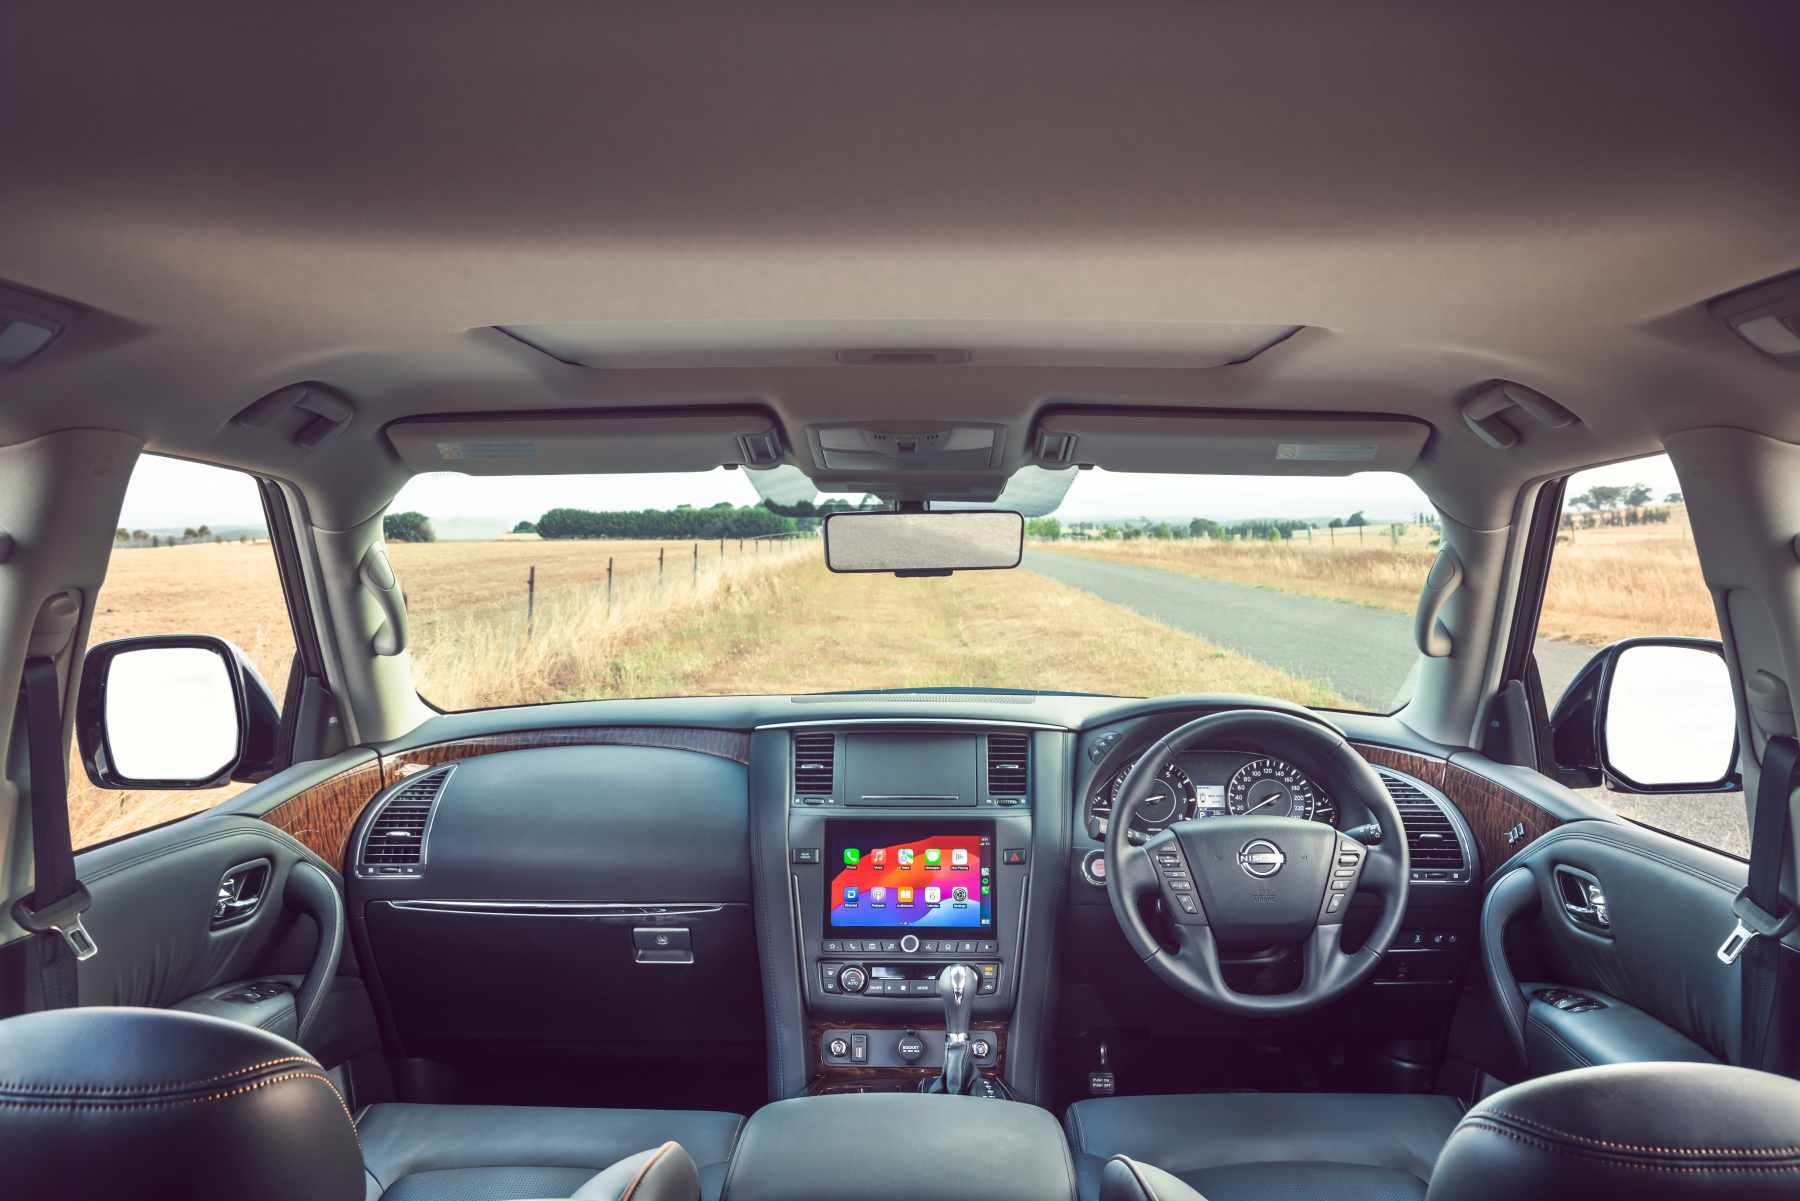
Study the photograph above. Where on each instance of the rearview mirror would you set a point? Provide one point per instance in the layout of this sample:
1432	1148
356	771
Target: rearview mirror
913	544
173	711
1650	715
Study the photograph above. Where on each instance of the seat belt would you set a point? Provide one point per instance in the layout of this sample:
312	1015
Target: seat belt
1764	918
53	909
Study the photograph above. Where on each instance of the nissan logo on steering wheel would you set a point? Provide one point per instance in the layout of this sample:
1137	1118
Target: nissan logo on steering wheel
1260	858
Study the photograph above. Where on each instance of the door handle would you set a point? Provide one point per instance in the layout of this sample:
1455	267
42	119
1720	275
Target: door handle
1584	900
240	893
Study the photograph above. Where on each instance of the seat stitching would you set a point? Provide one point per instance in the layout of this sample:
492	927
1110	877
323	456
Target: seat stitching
645	1171
79	1102
1547	1144
1617	1146
54	1089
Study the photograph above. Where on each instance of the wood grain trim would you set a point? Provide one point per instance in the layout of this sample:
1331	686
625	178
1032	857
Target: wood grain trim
725	744
1502	821
833	1074
322	816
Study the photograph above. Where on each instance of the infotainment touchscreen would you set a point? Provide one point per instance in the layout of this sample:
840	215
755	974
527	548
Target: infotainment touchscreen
912	875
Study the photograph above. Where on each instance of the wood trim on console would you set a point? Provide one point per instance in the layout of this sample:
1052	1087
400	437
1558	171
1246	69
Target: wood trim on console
323	816
1502	821
838	1076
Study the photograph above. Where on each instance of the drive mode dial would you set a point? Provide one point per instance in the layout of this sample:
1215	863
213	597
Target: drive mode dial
853	979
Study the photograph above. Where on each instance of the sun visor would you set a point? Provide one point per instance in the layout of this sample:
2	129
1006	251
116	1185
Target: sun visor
1189	443
591	444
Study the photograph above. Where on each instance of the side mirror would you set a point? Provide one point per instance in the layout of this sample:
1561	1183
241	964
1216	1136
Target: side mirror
1649	715
173	711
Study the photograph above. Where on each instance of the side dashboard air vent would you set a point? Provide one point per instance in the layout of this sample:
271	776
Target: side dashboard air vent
1008	767
813	764
1432	842
395	842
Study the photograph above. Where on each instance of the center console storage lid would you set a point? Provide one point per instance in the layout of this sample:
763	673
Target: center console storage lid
900	1147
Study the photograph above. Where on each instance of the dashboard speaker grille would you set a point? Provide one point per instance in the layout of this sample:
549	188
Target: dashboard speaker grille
1431	840
813	756
396	838
1008	764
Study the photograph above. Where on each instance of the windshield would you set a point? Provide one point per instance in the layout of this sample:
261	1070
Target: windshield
528	589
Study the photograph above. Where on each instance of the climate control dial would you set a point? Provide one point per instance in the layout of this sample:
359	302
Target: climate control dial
853	979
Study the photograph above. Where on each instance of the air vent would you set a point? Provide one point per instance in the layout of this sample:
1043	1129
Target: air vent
1008	758
1431	841
395	843
813	755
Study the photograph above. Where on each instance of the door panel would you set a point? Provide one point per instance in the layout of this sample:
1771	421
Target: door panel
1667	906
185	912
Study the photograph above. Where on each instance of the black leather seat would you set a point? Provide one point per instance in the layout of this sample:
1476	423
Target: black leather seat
498	1152
1258	1146
1647	1131
129	1104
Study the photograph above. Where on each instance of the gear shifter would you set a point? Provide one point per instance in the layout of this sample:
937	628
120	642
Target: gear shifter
956	985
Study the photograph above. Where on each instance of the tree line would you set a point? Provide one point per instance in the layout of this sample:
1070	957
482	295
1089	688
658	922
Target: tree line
1255	530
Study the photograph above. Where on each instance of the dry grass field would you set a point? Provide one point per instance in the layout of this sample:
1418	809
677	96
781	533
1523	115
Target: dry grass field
1605	584
768	619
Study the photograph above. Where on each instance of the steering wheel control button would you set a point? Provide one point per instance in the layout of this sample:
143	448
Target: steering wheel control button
909	944
1334	902
1188	905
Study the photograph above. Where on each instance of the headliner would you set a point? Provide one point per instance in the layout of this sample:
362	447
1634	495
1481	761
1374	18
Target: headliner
1440	195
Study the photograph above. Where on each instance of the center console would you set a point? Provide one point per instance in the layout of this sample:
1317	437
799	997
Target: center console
909	851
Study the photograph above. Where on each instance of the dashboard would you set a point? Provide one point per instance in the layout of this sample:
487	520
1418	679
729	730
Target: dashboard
1211	784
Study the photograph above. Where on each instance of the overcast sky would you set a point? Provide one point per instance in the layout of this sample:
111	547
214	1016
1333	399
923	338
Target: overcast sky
169	493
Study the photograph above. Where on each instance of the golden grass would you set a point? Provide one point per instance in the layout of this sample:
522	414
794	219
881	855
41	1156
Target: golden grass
770	620
773	620
1605	584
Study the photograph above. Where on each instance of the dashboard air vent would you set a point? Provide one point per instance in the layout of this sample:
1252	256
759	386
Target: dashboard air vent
395	843
1431	840
813	755
1008	758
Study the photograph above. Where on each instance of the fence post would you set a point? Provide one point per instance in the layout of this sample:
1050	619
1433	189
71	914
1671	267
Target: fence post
659	565
530	597
609	563
696	562
721	550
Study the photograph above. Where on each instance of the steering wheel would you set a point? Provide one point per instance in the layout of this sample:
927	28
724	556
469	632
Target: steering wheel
1249	881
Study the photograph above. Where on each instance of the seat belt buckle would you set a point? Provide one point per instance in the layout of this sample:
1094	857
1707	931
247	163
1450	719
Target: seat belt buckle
64	918
1753	922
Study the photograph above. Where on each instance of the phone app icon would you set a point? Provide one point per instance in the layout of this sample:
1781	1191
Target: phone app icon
985	890
959	857
933	857
878	895
878	858
934	895
852	856
906	896
851	893
959	893
906	856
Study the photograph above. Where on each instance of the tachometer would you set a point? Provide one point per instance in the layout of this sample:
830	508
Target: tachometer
1173	799
1273	788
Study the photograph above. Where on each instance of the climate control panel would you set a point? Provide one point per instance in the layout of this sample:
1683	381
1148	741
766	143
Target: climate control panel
894	980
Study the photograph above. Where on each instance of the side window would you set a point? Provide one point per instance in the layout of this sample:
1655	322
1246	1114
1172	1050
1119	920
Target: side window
1625	566
191	556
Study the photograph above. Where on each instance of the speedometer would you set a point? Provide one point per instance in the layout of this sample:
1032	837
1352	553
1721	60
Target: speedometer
1173	798
1272	788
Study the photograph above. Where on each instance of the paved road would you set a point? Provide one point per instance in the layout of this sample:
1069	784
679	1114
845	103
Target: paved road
1361	653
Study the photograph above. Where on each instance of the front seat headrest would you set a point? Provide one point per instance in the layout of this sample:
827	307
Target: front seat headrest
152	1103
1647	1131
